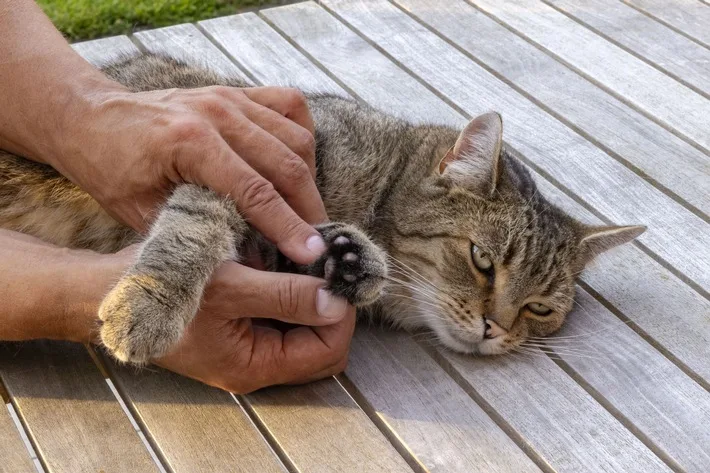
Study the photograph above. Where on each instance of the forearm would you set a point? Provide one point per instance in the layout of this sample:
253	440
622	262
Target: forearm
50	292
43	82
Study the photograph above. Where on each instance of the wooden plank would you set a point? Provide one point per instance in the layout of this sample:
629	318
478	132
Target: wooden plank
601	181
427	410
629	78
15	457
411	395
322	429
323	410
640	142
70	414
679	57
188	43
294	24
195	427
555	416
266	55
690	17
95	51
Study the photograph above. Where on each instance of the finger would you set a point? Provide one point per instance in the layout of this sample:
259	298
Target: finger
256	197
292	298
297	138
288	172
291	103
298	354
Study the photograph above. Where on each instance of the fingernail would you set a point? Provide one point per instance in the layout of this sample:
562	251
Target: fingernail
316	244
329	306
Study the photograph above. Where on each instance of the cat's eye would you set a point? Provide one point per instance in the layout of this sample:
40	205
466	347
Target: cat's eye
480	259
538	309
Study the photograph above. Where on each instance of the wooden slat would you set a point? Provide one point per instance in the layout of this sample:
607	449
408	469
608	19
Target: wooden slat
195	427
319	427
679	57
14	455
411	395
628	77
266	55
601	181
689	16
71	415
95	51
322	429
645	145
427	410
294	20
187	42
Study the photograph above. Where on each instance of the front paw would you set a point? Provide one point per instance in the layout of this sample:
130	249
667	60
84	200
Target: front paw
140	320
354	266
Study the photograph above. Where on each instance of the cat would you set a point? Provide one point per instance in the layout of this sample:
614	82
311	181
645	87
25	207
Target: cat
433	228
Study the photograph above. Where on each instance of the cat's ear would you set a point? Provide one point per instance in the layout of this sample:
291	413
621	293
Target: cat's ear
475	160
597	240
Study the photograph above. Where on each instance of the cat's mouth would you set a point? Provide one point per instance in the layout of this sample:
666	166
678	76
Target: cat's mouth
467	343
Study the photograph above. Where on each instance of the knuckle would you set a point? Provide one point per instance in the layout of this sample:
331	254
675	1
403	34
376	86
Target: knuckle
188	129
295	169
295	98
305	143
288	301
258	194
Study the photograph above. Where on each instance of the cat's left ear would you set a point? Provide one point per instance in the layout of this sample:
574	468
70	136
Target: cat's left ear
475	160
597	240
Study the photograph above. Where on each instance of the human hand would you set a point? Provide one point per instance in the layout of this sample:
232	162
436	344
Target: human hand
225	348
254	145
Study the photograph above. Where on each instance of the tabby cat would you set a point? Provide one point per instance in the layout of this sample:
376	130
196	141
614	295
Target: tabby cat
434	228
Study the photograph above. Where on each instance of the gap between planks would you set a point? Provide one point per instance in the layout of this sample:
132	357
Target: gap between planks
594	81
620	45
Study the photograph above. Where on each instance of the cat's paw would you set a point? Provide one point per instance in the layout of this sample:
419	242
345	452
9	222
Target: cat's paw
353	265
140	321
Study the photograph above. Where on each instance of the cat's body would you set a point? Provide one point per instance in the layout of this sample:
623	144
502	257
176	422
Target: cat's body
471	247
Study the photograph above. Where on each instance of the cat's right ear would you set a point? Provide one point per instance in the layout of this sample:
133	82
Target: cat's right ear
475	160
597	240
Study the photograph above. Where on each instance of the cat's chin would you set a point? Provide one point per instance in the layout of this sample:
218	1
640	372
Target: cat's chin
479	346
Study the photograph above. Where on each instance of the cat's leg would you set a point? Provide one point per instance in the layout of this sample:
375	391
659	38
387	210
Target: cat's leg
354	266
147	311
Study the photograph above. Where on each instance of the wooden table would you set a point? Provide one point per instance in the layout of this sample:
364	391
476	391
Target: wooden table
606	101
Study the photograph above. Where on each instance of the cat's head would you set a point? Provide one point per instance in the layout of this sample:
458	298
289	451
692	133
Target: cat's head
486	262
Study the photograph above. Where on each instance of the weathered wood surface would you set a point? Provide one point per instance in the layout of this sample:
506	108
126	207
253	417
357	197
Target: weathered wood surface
631	79
684	60
14	456
71	416
690	17
631	393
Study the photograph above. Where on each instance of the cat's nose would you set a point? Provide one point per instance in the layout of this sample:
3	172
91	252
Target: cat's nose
493	330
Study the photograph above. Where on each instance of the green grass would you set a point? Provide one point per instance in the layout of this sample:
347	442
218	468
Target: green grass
87	19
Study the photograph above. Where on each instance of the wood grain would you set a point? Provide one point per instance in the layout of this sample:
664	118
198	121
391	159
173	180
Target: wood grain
689	16
629	78
14	455
606	185
679	57
642	143
100	51
195	427
427	410
266	55
70	414
322	429
188	43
